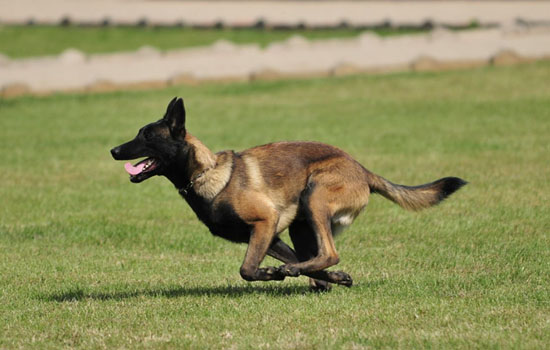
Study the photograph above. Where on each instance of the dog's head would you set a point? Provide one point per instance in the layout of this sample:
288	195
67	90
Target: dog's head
160	142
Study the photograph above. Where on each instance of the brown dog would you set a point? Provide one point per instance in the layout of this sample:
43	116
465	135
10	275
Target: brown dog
314	190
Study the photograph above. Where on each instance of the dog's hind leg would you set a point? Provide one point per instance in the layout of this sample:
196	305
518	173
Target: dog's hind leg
305	243
321	246
319	280
315	202
306	248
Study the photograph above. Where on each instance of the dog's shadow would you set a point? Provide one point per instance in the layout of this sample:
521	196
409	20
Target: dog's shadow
174	291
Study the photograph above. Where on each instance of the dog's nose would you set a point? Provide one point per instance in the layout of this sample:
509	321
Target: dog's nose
115	152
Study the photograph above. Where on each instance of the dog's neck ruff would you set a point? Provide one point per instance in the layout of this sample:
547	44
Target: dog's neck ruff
209	182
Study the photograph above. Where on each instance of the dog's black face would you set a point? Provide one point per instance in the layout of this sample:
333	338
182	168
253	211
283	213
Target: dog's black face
160	142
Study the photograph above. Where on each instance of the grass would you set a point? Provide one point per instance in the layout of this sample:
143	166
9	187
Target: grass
25	41
89	260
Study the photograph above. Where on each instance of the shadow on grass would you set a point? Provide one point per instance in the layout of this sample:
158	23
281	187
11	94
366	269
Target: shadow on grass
78	293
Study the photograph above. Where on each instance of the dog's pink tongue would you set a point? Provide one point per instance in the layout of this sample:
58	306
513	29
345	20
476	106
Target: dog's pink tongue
134	170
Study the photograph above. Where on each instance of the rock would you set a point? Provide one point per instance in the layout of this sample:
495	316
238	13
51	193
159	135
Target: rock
101	86
369	39
425	63
506	58
148	51
266	74
109	86
15	89
270	74
143	85
183	79
296	41
72	56
223	46
293	42
346	69
442	33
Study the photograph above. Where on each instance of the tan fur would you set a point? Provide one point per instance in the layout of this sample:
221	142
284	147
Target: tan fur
203	157
286	216
215	179
254	174
215	169
410	198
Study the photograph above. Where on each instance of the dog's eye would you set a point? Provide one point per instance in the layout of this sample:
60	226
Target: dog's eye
147	133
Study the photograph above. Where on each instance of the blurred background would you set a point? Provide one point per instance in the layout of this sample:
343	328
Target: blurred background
62	45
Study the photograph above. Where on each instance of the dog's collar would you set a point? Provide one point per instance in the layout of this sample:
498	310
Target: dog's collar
185	190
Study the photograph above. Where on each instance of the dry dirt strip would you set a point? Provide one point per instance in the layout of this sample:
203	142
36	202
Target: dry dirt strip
271	13
296	57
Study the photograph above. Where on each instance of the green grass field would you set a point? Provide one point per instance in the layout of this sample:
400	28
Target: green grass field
89	260
24	41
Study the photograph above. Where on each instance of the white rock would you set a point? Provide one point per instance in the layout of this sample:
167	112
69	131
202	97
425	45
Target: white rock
148	51
72	56
223	46
296	41
442	33
369	39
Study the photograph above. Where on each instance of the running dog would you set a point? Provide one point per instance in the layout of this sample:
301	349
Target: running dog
313	189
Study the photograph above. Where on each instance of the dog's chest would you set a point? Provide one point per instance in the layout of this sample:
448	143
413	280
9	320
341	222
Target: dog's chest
221	219
225	223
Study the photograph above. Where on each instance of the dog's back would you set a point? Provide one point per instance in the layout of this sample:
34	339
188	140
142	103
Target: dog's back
281	173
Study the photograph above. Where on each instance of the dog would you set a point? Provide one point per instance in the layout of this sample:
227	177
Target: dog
312	189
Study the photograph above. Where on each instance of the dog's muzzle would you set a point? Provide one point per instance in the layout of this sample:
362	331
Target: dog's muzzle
115	152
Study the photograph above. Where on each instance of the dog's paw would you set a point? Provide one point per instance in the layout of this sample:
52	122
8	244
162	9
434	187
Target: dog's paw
319	286
271	273
289	270
342	278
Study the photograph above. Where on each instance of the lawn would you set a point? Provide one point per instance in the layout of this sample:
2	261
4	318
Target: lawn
89	260
24	41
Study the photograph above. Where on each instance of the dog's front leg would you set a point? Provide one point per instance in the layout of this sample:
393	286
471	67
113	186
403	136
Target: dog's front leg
282	252
258	246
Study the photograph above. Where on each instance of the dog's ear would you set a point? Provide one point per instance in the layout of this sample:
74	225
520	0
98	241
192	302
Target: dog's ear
171	104
175	116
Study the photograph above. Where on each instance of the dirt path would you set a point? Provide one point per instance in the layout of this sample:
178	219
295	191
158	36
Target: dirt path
296	57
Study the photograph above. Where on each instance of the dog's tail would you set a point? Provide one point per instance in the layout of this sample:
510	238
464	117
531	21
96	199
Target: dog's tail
415	197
